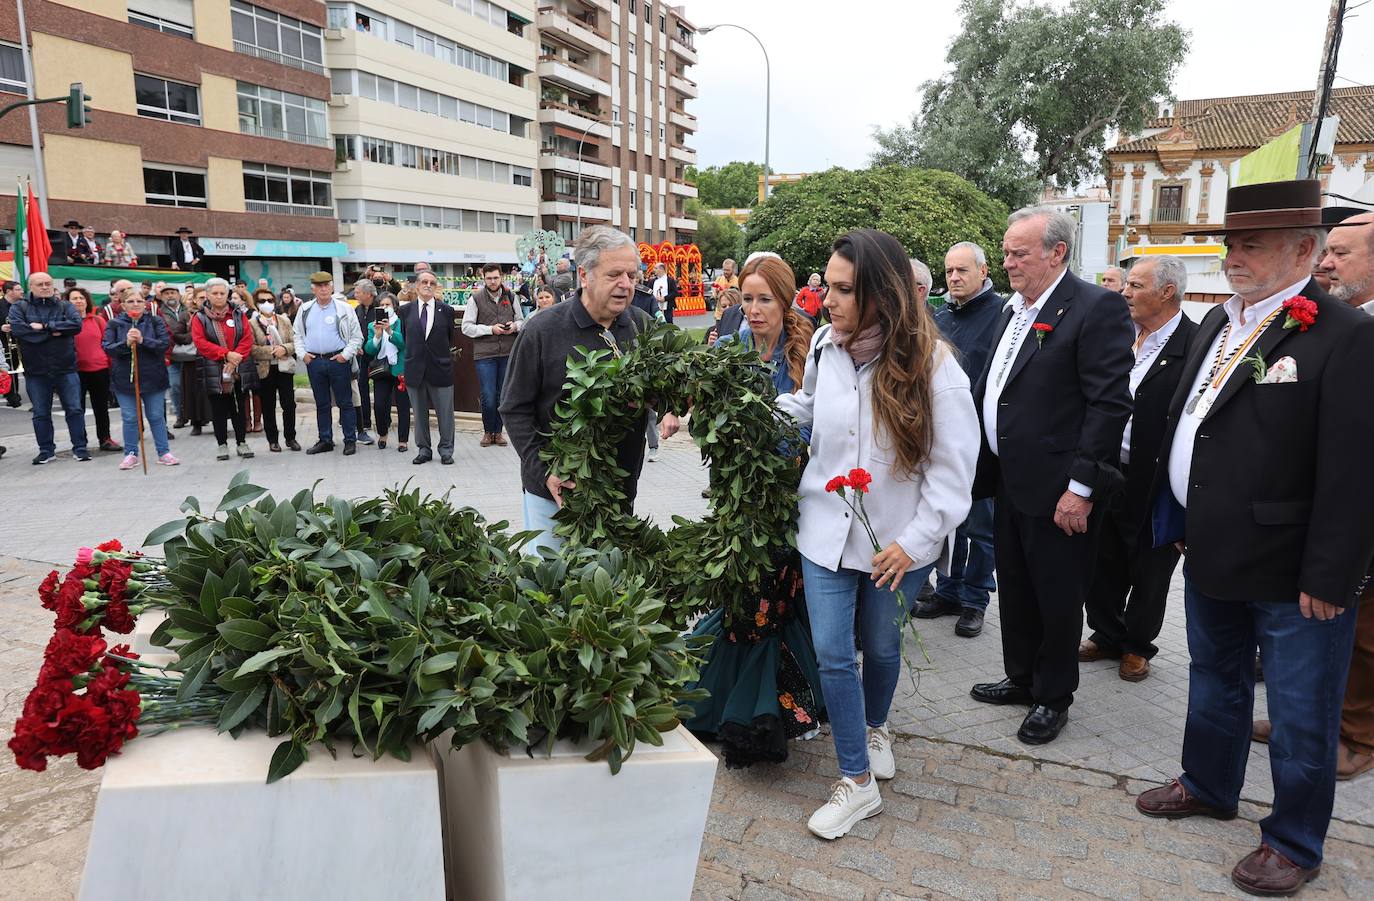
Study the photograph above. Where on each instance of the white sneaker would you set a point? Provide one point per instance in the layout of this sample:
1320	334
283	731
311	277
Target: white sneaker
652	455
880	761
849	803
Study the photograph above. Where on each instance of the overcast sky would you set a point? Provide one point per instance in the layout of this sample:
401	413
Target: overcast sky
841	68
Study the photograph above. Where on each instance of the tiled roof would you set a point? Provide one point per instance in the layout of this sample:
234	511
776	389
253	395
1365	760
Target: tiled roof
1244	123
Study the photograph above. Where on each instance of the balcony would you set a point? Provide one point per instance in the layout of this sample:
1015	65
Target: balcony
681	224
682	189
568	209
559	23
288	209
683	154
560	71
683	119
1166	214
682	50
684	86
561	160
274	57
552	112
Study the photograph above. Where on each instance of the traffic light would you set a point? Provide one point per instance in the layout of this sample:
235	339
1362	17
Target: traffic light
78	110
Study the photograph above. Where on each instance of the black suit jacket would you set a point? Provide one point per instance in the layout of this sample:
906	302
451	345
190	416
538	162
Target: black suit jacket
1064	403
174	249
427	360
79	250
1148	418
1279	494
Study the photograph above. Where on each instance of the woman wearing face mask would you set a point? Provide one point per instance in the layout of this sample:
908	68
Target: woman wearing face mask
883	393
224	339
386	347
274	352
135	327
92	365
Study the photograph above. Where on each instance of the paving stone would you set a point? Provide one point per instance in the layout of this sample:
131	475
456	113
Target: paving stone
992	857
811	881
1009	807
1183	846
1216	881
887	895
917	839
754	866
757	891
1148	865
901	809
727	825
960	822
1094	826
795	842
1051	840
956	885
870	863
962	775
928	791
1040	790
868	829
1113	887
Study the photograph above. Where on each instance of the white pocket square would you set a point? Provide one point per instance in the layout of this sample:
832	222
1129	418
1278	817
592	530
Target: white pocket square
1283	371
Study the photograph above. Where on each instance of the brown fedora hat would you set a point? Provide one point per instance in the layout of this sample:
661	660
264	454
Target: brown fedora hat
1271	205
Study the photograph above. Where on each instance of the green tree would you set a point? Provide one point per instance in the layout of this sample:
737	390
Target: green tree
732	186
718	237
1034	91
926	209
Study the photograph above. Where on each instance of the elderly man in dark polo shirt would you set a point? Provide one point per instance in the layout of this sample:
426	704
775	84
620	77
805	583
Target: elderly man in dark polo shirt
598	316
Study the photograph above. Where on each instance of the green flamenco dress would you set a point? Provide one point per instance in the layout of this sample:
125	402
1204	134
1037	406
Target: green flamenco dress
761	672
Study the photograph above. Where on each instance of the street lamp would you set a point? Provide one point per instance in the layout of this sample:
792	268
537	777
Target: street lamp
615	123
767	92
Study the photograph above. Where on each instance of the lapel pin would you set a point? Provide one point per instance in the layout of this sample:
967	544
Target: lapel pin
1061	312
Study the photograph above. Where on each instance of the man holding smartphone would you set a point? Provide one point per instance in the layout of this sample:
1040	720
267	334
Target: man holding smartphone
491	319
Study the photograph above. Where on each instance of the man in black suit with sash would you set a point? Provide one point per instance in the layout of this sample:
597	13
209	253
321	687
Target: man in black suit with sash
1263	478
1130	584
1053	400
427	325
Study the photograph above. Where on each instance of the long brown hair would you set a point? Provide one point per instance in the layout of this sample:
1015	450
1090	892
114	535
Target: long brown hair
782	284
885	289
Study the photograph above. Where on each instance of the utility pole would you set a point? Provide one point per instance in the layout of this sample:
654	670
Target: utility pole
40	173
1326	76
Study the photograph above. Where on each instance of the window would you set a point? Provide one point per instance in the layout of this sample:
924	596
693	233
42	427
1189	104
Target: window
296	192
630	42
168	16
276	37
171	186
615	114
1168	203
169	100
280	114
519	175
663	24
410	156
420	40
634	198
12	70
348	81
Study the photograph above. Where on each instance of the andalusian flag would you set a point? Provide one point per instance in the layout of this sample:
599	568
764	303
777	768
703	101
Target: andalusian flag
21	231
1276	160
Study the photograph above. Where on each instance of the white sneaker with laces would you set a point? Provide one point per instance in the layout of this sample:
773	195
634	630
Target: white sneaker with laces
880	761
849	803
129	461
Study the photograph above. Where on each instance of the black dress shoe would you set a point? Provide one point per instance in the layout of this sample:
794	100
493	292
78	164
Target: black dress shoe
423	456
1004	692
196	430
1042	725
350	448
320	447
293	444
446	459
179	424
933	607
970	623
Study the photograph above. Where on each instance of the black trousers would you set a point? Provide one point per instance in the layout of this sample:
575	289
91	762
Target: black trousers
364	393
384	393
278	387
96	384
1130	585
1042	580
226	408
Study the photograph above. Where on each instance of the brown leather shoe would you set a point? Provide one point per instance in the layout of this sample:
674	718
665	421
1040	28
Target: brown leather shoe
1267	872
486	439
500	439
1134	668
1259	731
1090	650
1172	802
1351	763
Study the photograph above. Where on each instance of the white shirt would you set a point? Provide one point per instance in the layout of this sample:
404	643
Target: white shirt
426	314
1244	323
1368	307
1144	358
187	253
661	288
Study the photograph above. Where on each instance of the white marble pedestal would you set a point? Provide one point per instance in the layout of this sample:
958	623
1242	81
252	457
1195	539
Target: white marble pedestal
520	828
188	815
140	640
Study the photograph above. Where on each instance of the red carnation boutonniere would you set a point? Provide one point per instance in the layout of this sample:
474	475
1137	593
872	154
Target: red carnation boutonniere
1302	313
1042	331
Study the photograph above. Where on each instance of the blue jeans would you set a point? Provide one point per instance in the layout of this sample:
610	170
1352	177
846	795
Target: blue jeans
67	387
491	377
1306	662
328	376
855	702
970	579
539	513
174	388
156	412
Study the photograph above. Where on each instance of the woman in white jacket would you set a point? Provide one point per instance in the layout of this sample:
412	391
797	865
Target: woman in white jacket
882	392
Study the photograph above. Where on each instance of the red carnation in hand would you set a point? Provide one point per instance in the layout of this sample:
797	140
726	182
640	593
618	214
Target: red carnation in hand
859	479
837	483
1301	311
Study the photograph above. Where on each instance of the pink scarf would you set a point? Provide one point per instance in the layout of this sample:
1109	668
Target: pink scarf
863	347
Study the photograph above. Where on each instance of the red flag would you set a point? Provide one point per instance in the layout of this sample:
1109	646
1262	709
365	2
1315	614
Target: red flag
38	245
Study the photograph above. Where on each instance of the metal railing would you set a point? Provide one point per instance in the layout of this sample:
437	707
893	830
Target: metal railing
273	56
1167	214
294	137
288	209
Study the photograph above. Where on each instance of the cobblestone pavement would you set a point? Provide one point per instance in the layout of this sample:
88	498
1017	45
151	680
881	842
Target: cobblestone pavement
971	814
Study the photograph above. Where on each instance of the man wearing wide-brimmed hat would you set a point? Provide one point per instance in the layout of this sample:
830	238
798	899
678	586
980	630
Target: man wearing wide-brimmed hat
81	251
185	250
1262	480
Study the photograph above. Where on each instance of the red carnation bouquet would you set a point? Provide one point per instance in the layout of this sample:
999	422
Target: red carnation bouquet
89	698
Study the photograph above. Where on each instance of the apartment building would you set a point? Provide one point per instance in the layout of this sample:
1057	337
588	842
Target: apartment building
208	114
433	111
613	124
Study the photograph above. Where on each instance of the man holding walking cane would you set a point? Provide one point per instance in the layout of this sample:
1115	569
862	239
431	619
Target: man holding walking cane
140	379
